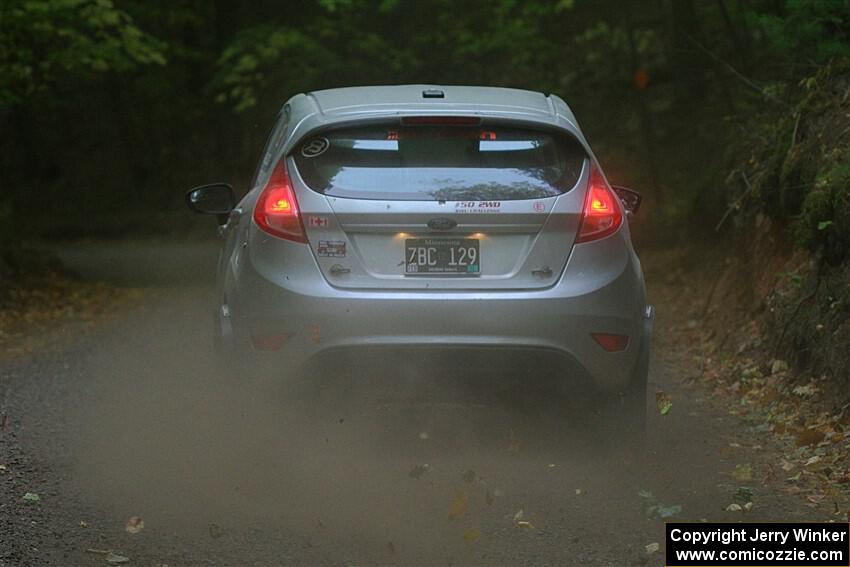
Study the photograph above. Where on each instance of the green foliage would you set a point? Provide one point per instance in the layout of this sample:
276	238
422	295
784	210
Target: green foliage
348	42
819	29
41	38
653	85
257	53
825	221
802	165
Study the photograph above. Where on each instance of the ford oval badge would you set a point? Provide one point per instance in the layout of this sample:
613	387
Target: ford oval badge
442	223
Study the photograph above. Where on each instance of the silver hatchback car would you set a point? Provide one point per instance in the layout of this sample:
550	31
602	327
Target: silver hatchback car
417	216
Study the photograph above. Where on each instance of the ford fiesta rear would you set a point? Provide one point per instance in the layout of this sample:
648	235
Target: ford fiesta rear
466	230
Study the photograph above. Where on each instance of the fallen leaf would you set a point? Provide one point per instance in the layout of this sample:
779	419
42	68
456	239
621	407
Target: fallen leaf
2	468
471	535
519	522
734	508
652	548
663	402
748	506
812	461
667	511
743	473
134	525
84	524
578	491
215	531
809	437
116	559
655	509
815	498
778	366
744	494
418	470
31	497
806	391
458	505
98	551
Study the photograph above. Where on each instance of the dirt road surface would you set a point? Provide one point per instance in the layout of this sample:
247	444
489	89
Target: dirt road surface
135	419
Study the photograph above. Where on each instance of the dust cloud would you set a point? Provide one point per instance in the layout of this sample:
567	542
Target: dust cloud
404	457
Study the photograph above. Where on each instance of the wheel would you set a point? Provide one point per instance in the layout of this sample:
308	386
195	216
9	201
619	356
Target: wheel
620	420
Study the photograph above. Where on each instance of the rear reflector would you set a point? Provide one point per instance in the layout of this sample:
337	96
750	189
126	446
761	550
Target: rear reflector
611	343
440	120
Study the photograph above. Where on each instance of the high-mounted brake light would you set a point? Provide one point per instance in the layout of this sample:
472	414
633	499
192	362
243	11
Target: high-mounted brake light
440	120
602	214
276	211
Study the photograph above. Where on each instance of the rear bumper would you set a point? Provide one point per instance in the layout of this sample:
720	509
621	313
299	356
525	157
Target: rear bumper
318	320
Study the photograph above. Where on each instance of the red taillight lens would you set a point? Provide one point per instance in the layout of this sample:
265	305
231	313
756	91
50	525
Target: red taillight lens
602	214
276	211
611	343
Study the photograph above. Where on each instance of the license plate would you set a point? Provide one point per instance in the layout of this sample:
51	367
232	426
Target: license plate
442	256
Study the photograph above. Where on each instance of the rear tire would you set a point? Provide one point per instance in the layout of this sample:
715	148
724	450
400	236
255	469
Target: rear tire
237	363
621	419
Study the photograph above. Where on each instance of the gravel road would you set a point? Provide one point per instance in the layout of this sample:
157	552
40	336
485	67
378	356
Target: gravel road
134	419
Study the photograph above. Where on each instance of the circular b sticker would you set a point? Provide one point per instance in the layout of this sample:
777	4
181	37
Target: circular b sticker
315	147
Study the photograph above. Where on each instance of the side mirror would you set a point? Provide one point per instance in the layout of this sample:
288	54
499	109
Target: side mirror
631	199
213	199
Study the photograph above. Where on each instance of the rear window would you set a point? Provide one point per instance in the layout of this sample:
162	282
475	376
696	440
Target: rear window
451	163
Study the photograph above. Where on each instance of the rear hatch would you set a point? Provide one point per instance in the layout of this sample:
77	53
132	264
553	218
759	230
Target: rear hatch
440	203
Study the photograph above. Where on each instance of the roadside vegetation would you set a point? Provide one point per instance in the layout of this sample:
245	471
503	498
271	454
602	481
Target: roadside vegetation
50	310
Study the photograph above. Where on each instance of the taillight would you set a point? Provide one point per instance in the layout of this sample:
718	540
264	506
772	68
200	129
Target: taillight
276	211
602	214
